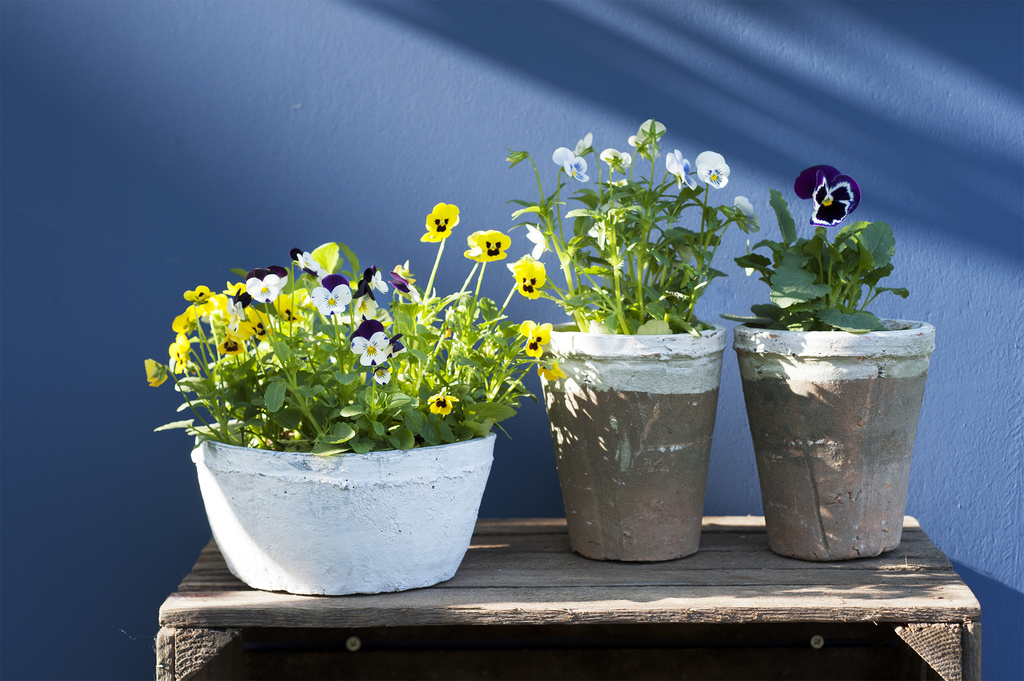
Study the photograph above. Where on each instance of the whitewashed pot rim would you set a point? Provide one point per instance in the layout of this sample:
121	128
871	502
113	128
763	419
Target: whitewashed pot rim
905	338
349	469
613	345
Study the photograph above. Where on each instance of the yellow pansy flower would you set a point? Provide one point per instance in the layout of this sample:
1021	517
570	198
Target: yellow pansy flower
552	374
537	336
200	295
232	290
530	276
234	342
488	246
179	352
260	323
442	404
156	373
440	222
186	322
286	309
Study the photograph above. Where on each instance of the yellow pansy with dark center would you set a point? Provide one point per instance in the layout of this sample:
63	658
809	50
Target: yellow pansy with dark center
230	347
442	404
440	222
537	336
488	246
530	277
200	295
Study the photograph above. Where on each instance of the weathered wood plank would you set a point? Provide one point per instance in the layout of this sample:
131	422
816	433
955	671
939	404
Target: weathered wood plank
756	603
165	655
972	651
938	644
195	650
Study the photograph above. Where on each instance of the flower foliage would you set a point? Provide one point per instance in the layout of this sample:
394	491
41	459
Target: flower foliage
817	284
635	252
316	357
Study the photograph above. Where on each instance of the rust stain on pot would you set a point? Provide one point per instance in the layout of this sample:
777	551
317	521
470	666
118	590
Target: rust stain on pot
635	464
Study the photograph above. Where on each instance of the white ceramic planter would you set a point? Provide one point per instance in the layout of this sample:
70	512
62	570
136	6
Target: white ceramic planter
631	425
306	524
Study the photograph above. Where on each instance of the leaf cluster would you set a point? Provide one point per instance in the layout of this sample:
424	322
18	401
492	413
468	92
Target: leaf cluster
821	285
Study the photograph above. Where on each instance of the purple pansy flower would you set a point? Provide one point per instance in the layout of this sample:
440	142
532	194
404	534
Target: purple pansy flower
835	195
399	282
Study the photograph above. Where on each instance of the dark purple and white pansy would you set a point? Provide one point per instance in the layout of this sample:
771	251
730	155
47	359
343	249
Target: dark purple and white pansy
371	281
265	284
308	263
236	309
332	296
835	195
371	343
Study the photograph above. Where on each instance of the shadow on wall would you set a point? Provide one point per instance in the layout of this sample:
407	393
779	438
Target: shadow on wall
742	69
1002	625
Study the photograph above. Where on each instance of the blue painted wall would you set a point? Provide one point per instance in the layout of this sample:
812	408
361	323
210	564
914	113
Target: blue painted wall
147	147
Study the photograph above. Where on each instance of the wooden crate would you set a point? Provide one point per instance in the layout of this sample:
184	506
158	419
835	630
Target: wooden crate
524	606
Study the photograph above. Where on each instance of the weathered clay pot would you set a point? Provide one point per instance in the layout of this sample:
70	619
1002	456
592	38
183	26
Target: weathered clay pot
307	524
632	425
833	417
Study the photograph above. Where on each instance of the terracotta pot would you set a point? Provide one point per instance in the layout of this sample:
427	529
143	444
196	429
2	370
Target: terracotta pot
307	524
632	426
833	417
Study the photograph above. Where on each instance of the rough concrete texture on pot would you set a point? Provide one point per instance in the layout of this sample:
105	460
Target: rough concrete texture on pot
632	425
833	417
306	524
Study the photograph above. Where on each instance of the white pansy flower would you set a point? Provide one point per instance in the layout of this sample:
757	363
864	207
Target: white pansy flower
539	241
743	205
680	167
584	143
616	160
643	134
712	169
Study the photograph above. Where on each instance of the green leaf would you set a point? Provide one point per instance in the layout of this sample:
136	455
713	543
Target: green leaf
352	410
274	396
654	327
353	261
854	322
362	446
175	425
792	285
341	432
414	420
326	255
786	224
401	438
491	410
528	209
877	238
901	292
